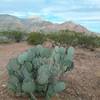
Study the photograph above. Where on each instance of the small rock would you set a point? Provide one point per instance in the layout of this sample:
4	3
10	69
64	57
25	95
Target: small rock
4	85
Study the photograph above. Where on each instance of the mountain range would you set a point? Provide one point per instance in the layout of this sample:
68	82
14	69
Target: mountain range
9	22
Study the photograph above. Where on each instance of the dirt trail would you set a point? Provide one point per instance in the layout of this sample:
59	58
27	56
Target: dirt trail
83	83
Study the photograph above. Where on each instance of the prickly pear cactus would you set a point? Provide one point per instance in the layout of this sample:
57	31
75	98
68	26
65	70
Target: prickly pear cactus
36	70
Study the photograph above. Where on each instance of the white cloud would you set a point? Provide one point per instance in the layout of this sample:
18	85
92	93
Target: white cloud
66	10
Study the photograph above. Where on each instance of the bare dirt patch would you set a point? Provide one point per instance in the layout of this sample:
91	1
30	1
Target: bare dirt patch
82	83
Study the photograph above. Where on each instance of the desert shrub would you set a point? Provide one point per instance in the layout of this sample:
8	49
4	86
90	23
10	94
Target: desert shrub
88	41
4	40
18	36
53	36
15	36
97	41
75	39
36	38
68	38
63	38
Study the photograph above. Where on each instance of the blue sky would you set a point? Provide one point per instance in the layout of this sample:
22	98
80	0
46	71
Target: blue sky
84	12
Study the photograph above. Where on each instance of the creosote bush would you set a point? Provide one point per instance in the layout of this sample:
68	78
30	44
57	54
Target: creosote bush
37	71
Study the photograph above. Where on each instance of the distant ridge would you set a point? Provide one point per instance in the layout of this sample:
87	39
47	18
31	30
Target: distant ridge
9	22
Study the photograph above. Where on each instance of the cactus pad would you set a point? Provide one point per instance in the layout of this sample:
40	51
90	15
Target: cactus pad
36	71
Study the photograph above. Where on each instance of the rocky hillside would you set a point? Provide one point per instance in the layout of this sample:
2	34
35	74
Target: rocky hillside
8	22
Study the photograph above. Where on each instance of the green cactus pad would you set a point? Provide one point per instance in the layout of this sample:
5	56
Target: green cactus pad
14	84
43	74
22	58
28	86
28	66
13	65
38	69
59	86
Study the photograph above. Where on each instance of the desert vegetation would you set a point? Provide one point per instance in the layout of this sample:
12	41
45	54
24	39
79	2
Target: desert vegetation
82	82
35	38
67	38
11	36
37	71
63	37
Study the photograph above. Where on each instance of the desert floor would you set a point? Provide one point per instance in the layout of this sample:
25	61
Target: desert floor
82	83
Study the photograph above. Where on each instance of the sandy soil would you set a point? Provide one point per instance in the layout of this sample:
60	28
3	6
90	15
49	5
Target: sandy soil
83	83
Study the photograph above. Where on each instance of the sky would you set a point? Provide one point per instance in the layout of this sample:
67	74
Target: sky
84	12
